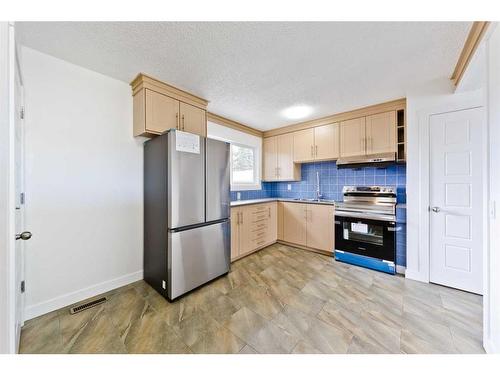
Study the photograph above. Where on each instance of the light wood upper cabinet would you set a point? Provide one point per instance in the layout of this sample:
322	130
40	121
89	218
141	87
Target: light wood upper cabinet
353	137
314	144
162	112
278	159
159	107
270	150
287	170
327	142
320	227
303	145
294	223
193	119
381	133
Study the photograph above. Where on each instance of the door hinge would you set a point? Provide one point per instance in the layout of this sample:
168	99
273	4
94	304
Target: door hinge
21	113
21	198
23	286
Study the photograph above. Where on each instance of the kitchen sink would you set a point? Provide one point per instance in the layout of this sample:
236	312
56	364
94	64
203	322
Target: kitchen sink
314	200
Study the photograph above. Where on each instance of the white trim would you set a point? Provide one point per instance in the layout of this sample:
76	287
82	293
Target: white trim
237	137
68	299
400	269
417	267
489	347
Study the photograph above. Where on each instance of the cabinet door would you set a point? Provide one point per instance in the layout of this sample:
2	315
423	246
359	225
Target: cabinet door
352	137
320	227
193	119
246	240
303	145
326	142
270	149
286	167
162	112
280	221
381	133
294	223
272	228
235	237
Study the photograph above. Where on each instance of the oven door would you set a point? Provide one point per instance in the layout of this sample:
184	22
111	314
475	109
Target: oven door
372	238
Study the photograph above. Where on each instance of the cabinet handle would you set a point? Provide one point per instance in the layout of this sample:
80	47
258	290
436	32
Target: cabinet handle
182	122
316	147
312	151
269	208
241	217
177	121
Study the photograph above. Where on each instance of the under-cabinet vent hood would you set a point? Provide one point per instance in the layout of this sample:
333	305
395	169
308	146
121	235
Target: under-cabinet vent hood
374	160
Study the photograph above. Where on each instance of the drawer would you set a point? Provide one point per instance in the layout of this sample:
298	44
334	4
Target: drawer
259	234
259	208
259	242
264	223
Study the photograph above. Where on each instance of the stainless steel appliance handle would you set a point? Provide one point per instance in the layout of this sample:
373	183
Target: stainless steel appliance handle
394	229
23	236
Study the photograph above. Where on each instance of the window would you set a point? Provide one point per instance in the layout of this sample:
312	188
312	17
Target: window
246	156
242	165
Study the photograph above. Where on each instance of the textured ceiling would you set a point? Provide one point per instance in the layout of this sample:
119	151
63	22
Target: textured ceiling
250	72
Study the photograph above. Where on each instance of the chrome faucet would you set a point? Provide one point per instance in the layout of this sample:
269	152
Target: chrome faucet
318	193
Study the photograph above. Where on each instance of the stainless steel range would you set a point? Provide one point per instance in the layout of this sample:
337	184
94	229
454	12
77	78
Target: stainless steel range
365	227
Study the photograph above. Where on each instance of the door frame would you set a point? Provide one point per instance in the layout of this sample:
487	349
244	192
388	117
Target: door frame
8	341
418	267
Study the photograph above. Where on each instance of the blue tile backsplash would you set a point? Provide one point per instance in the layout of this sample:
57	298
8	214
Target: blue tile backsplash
332	180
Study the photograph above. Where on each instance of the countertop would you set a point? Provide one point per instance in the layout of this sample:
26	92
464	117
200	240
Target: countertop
264	200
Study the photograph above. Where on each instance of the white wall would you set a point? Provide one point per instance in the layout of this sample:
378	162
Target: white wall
84	202
7	276
492	282
432	97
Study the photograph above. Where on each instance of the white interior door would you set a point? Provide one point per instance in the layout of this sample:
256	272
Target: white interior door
456	198
21	235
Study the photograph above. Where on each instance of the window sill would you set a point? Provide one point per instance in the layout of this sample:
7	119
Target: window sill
243	187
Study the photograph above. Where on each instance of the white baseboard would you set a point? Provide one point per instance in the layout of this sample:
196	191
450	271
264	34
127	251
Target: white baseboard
70	298
400	269
417	276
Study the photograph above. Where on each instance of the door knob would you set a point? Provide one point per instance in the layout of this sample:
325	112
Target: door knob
23	236
436	209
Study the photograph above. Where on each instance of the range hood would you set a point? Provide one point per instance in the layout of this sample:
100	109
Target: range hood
374	160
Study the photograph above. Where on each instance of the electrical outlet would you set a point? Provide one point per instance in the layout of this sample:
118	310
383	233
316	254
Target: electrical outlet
289	187
238	195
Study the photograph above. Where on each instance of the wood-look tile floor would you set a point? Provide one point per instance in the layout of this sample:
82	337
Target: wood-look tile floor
278	300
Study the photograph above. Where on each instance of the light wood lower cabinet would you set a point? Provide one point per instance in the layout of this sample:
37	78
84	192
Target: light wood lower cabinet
294	223
259	225
310	225
320	226
253	227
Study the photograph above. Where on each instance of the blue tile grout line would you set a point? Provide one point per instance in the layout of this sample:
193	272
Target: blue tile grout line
332	180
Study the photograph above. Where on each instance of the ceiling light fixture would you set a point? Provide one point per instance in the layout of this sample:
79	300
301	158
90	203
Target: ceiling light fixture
297	112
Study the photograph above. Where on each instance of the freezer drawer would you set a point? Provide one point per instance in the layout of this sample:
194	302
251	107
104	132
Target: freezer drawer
196	256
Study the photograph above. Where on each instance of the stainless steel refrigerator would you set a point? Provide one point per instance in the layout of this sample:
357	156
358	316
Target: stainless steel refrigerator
187	233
